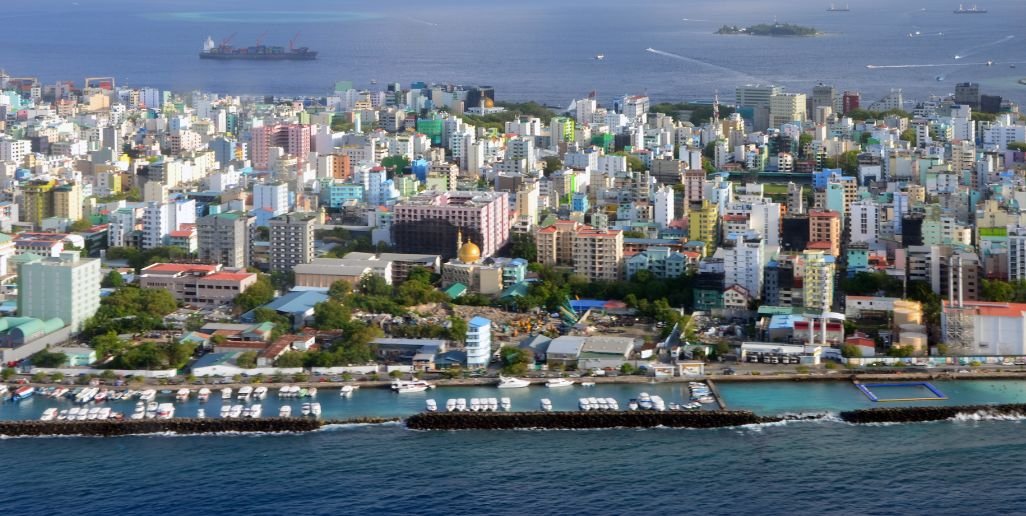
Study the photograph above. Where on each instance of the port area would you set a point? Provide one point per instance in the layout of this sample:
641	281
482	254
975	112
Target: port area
112	428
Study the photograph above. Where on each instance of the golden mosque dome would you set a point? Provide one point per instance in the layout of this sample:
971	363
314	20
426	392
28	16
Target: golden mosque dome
489	103
469	253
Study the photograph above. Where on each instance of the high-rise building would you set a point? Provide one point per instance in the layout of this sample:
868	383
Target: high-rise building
293	138
786	108
968	94
822	96
598	253
850	101
703	224
273	197
825	229
479	342
65	287
225	238
818	280
561	131
754	101
428	223
1016	253
663	206
67	201
292	240
795	199
37	201
742	257
864	222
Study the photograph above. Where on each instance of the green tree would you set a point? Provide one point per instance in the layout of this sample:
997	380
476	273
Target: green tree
515	360
909	135
246	360
108	344
627	368
395	164
457	329
57	377
997	290
330	315
374	285
7	373
851	351
395	374
264	314
46	358
552	164
291	359
259	293
1016	146
522	245
113	279
39	378
80	225
108	375
340	290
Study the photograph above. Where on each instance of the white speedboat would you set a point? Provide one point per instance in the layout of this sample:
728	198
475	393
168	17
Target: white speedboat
49	414
260	392
204	394
305	409
408	386
104	413
613	404
138	415
584	404
509	382
226	393
632	404
546	405
559	382
475	405
62	415
644	401
450	405
165	411
597	403
461	404
294	391
493	404
285	411
226	410
151	406
346	391
148	395
505	404
236	411
587	384
311	392
182	395
201	414
658	403
256	410
706	399
245	412
93	413
284	391
315	409
430	406
245	392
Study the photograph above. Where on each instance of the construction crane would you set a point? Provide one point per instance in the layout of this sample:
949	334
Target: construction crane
260	39
292	41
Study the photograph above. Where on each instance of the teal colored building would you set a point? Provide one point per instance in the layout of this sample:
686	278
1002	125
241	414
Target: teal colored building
335	195
432	129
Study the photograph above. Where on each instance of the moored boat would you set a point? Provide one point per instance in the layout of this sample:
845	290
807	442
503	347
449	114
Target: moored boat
315	409
260	392
245	392
305	409
546	405
506	404
509	382
49	414
559	382
226	393
430	406
285	411
23	393
182	395
450	405
204	394
409	386
346	391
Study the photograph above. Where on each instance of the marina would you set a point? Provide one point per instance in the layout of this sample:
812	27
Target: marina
764	398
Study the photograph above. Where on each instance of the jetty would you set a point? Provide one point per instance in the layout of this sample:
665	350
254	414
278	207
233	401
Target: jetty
935	413
584	420
112	428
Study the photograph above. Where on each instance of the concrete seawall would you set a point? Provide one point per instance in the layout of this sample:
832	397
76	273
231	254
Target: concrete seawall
178	426
582	420
937	413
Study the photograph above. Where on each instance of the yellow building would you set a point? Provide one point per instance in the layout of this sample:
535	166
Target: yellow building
67	201
37	201
703	222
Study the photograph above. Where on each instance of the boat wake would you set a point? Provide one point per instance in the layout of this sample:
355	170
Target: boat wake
984	415
679	57
336	427
973	50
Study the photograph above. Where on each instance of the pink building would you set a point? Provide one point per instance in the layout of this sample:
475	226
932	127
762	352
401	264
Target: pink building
294	138
201	285
428	223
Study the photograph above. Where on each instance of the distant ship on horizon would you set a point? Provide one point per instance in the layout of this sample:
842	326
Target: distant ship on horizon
971	10
835	9
224	51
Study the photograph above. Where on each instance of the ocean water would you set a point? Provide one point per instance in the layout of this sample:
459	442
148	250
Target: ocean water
970	465
529	49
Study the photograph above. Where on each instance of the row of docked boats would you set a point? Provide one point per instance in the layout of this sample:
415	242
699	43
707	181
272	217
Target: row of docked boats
700	393
152	410
590	404
475	405
80	414
295	391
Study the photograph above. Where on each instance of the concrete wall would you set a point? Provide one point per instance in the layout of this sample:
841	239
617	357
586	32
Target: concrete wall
75	371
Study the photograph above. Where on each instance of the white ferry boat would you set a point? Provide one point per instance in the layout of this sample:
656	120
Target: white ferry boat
409	386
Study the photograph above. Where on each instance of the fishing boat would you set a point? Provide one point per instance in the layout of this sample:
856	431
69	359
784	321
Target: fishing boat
505	404
430	406
410	386
182	395
315	409
49	414
245	392
23	393
204	394
260	392
559	382
546	405
509	382
285	411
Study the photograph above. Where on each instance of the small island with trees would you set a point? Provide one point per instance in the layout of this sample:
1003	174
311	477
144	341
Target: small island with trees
769	29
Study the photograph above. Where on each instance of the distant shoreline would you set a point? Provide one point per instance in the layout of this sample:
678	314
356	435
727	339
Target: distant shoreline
770	30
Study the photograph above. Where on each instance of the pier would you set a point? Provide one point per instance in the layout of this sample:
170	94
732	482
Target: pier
921	414
716	394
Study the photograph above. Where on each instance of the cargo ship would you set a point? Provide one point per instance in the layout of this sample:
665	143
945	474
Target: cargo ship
225	51
971	10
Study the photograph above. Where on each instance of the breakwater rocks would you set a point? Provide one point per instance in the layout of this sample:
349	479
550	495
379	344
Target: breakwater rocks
582	420
177	426
938	413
